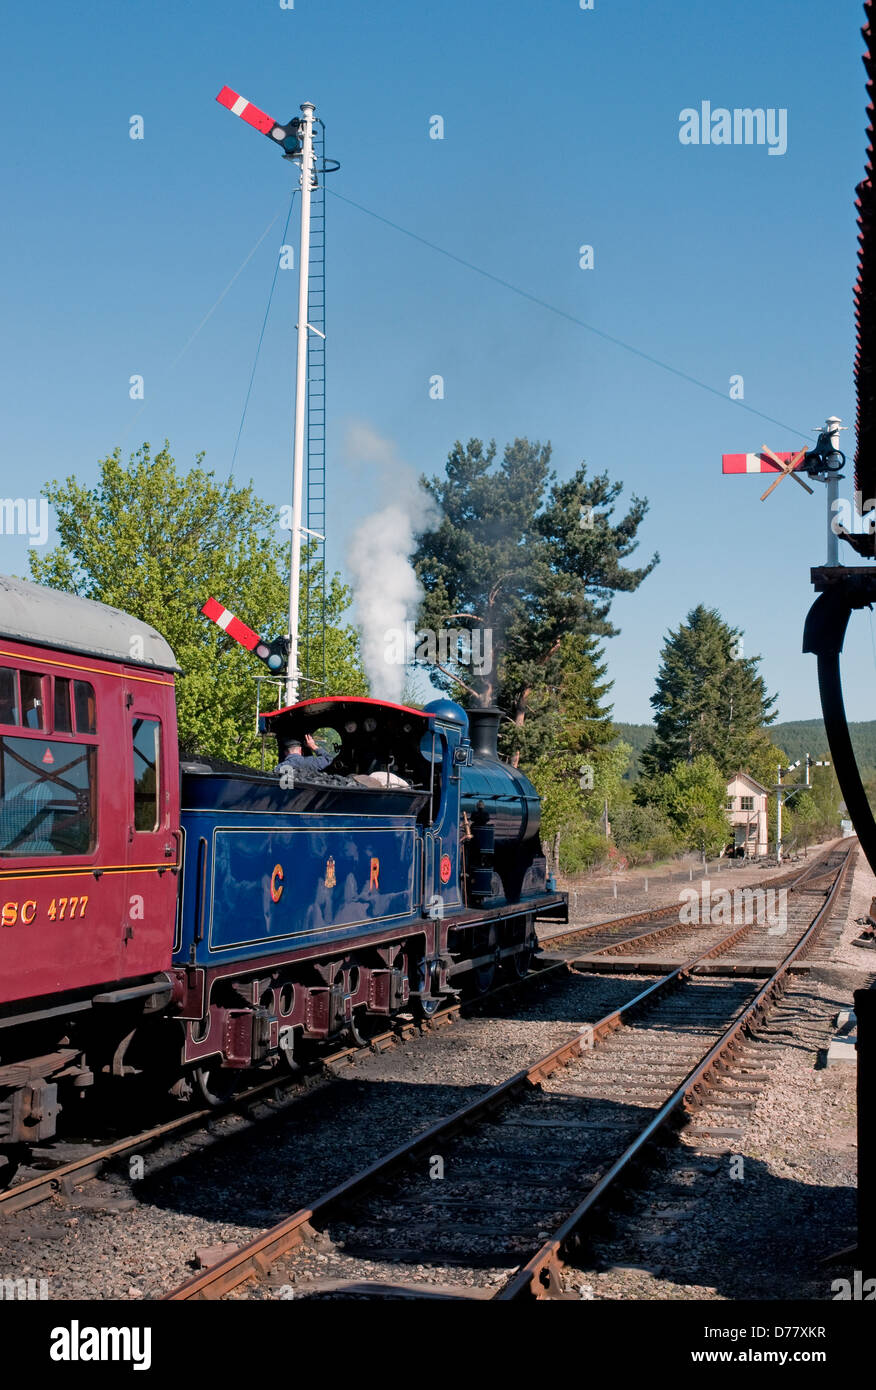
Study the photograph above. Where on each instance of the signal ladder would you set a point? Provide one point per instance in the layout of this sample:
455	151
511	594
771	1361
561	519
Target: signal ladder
313	654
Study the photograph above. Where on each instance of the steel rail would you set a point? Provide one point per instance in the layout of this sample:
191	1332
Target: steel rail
20	1196
38	1189
539	1277
792	880
254	1258
43	1186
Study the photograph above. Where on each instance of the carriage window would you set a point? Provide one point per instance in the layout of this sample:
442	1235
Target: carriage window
146	734
33	716
8	696
48	795
63	723
83	700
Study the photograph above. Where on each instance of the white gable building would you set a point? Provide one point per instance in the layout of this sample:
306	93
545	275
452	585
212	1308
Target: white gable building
747	813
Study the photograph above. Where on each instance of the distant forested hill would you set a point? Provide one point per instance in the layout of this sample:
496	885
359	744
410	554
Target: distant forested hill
797	737
802	736
638	736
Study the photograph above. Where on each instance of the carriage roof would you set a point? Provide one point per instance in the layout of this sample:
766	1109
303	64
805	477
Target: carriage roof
50	618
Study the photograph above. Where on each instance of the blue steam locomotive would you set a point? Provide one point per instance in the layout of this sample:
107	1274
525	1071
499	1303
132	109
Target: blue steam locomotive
409	871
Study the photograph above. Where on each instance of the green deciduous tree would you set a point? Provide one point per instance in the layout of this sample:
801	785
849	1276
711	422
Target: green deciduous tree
692	795
710	699
800	821
156	543
763	764
643	833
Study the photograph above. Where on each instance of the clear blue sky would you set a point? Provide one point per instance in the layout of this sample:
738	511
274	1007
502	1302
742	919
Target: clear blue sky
561	128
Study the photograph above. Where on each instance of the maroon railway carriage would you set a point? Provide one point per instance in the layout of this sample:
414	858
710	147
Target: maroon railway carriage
89	852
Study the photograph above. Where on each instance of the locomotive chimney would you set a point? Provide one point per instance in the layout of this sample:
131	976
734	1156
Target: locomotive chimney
483	730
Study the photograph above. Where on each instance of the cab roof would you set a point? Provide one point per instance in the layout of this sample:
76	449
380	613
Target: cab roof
328	705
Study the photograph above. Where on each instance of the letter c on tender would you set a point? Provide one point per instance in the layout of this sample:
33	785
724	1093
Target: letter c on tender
277	883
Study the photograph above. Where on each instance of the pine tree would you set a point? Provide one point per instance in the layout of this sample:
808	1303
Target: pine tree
568	710
568	744
710	699
525	561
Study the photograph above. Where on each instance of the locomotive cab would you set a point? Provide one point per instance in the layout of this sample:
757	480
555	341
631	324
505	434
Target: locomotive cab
370	738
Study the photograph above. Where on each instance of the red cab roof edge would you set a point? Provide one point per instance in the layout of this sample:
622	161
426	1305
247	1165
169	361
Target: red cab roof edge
347	700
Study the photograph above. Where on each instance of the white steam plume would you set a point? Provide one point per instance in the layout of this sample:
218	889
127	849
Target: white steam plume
386	590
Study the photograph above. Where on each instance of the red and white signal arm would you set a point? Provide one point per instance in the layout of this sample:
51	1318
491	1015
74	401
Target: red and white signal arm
224	618
274	653
285	135
752	463
239	106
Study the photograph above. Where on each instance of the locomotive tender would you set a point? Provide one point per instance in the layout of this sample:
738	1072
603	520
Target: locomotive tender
186	921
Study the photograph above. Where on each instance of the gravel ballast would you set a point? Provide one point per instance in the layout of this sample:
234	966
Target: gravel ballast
702	1226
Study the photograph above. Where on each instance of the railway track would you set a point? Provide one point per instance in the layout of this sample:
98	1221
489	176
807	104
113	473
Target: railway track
489	1201
269	1098
277	1093
662	923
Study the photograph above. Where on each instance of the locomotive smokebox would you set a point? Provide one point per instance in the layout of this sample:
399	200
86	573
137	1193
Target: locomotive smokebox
499	798
483	730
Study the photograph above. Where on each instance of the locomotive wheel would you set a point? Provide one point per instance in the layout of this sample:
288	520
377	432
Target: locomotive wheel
519	965
357	1028
215	1084
426	1008
486	942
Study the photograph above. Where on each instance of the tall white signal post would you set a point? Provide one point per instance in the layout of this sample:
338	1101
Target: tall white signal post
307	173
296	140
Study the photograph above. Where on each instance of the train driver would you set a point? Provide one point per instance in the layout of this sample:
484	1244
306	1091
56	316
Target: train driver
293	755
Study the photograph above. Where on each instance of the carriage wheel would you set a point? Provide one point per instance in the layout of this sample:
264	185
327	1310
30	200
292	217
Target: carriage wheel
214	1083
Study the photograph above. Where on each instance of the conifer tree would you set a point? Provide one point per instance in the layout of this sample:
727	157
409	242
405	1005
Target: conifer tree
528	561
710	699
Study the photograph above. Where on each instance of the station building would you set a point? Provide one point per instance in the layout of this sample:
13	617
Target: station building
747	813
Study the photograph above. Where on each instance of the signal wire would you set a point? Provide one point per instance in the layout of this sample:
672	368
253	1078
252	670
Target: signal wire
262	334
564	314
